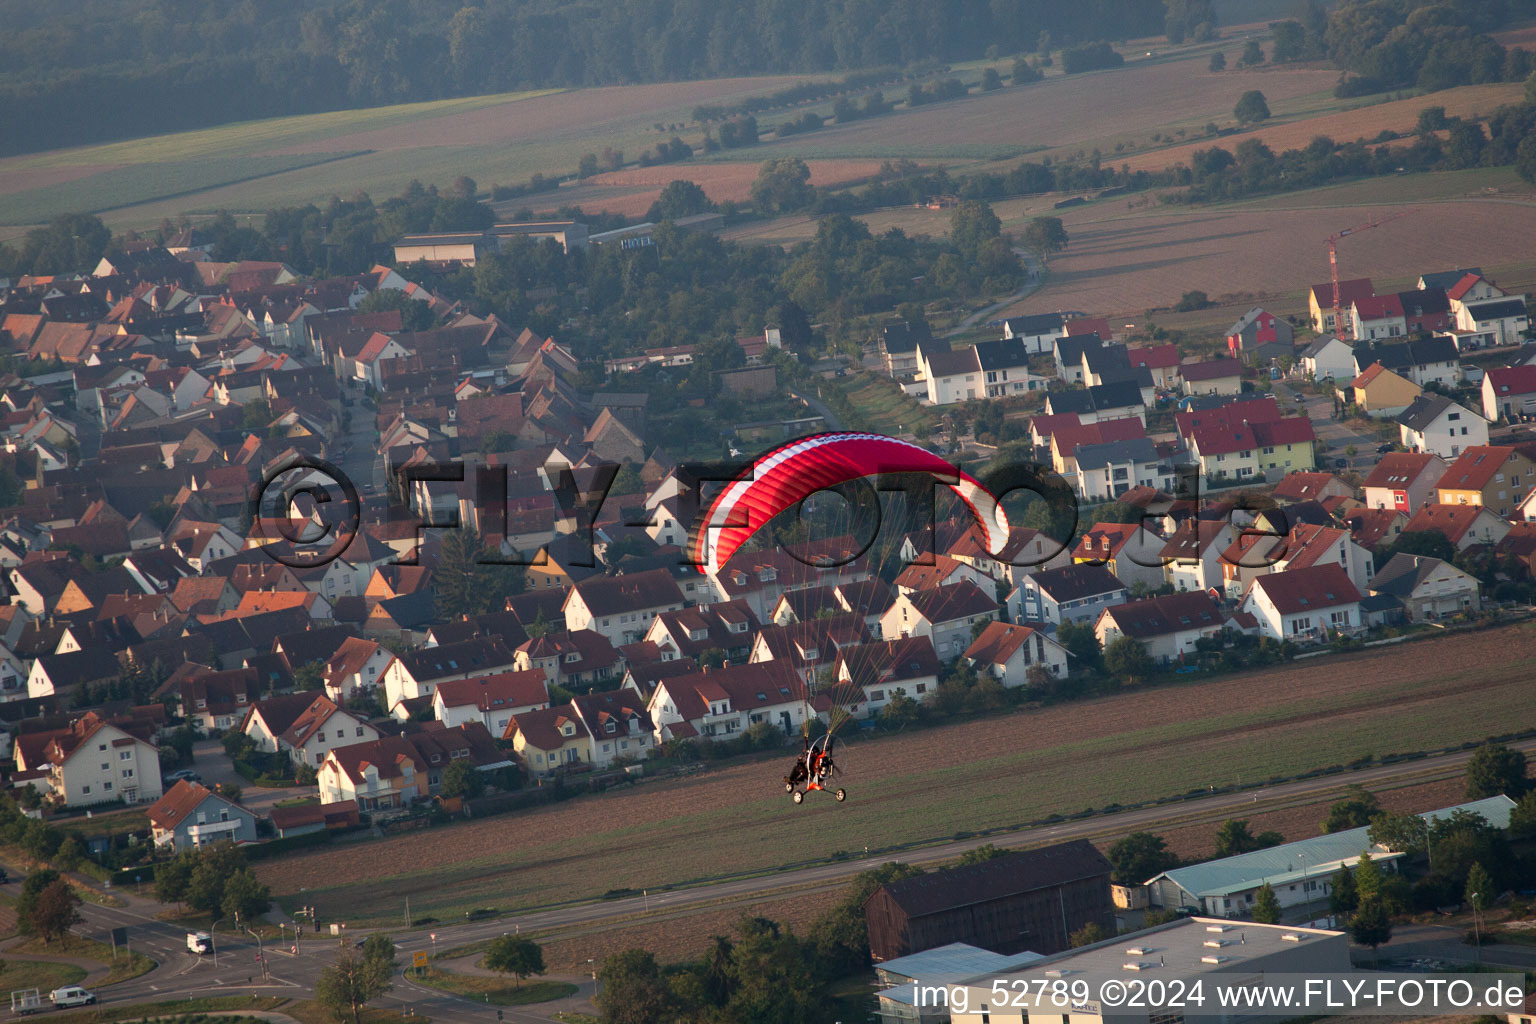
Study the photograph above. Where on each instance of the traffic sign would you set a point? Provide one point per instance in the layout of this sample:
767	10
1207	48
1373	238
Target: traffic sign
419	959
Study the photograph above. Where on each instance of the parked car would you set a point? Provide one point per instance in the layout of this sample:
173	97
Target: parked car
1384	448
1340	463
71	995
183	773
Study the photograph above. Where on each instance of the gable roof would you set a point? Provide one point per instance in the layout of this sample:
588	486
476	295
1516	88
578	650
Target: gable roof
1162	616
610	595
998	642
498	690
1311	589
1008	875
1404	573
1071	582
177	804
1475	467
1399	469
952	601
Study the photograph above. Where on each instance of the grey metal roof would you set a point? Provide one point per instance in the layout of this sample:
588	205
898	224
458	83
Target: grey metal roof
1447	278
954	961
1488	309
1312	857
1424	410
1036	324
1404	573
1097	456
1322	343
1002	355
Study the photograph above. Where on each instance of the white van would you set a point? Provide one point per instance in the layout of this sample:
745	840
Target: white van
199	942
71	995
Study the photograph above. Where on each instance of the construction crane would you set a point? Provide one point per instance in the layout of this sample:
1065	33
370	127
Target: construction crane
1333	266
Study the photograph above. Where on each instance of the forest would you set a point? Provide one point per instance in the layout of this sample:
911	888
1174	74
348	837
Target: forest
77	71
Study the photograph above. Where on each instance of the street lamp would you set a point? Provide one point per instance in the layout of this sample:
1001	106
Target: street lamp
260	954
1477	931
434	945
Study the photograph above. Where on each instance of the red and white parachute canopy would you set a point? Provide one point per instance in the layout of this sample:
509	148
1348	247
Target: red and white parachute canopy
787	475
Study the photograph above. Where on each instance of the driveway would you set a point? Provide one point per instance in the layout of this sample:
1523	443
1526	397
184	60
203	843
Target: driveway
211	762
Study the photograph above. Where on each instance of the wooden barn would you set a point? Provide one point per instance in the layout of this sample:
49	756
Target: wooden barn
1029	900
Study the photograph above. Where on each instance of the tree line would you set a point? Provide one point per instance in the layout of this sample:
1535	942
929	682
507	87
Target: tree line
100	69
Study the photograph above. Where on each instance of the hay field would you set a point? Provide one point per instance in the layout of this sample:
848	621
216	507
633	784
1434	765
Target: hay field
1468	101
1120	264
910	788
632	191
309	158
1064	111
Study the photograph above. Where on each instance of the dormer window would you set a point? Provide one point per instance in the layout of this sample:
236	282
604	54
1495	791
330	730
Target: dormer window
567	730
698	634
612	728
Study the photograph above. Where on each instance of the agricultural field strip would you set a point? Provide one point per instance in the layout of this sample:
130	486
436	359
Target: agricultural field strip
1063	770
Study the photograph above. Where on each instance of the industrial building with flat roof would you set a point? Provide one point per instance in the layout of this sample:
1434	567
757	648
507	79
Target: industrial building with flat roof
1187	950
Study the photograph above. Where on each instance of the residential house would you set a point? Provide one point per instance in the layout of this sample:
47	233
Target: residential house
1509	394
1505	319
723	703
1169	627
1328	358
621	608
886	669
1304	605
1428	588
1004	368
1106	471
1008	652
1378	316
899	344
1496	477
1260	336
726	627
577	661
810	646
1435	424
1161	362
208	699
266	720
1375	528
1321	299
384	775
550	739
1192	556
1128	550
1379	392
1118	400
1071	594
1404	481
1463	525
492	700
319	729
1424	361
619	725
941	571
355	668
415	674
1213	377
92	761
950	375
1228	452
1309	544
1037	333
945	615
66	674
189	816
1310	486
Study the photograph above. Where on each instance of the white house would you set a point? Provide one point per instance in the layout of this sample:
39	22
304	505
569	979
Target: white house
725	702
949	375
1192	556
1328	358
945	615
93	761
1169	627
493	700
387	774
1509	393
319	729
1304	605
1037	333
621	607
1069	594
1435	424
1008	651
416	674
889	668
1506	318
1404	481
1427	587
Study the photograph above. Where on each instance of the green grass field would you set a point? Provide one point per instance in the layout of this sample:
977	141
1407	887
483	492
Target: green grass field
881	406
495	991
15	974
930	785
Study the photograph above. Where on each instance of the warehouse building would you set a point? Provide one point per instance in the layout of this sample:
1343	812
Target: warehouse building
1187	950
1031	900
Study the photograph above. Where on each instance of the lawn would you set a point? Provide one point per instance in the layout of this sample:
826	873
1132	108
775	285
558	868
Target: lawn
307	1011
127	966
911	789
213	1005
496	991
882	406
15	974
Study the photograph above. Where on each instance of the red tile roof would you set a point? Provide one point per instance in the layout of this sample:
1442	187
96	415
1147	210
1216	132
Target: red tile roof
1399	469
1308	590
1475	467
1161	616
502	689
997	643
